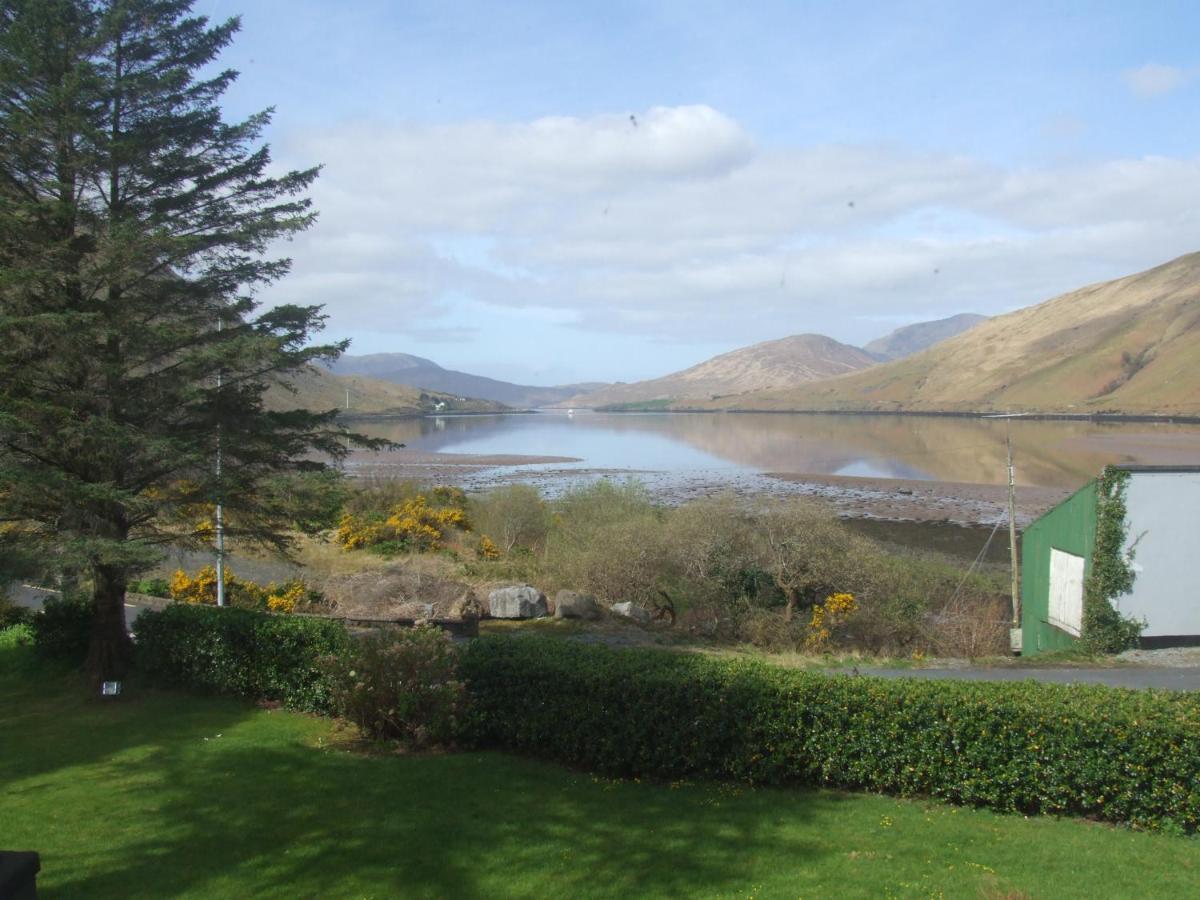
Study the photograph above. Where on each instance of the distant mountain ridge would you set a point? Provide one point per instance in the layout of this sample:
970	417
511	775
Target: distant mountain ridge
921	336
772	364
319	390
416	371
1129	346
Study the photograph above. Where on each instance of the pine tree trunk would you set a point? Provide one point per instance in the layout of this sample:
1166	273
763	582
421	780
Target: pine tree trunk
110	653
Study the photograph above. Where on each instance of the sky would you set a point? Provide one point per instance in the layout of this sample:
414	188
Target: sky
564	191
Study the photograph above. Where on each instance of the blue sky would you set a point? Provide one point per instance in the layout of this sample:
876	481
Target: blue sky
552	192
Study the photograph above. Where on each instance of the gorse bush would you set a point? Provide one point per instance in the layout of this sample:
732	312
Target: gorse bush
418	524
202	588
826	618
240	652
400	685
1126	756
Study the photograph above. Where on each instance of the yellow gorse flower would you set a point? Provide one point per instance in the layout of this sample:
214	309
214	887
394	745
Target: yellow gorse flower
202	588
826	616
414	524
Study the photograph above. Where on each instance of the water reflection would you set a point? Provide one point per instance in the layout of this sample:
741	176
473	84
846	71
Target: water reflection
1054	454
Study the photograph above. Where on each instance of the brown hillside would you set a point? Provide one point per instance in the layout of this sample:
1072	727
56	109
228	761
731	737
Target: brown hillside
782	363
1128	346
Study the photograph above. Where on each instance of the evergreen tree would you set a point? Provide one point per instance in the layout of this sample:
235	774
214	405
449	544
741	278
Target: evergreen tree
135	226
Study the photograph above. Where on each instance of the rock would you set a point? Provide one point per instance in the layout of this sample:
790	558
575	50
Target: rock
466	607
522	602
573	605
630	610
397	592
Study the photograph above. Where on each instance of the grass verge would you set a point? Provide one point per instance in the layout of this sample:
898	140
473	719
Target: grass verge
165	794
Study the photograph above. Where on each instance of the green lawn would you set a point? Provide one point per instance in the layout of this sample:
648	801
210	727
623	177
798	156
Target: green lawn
161	794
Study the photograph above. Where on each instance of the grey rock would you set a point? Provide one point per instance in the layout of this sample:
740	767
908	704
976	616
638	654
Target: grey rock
522	602
573	605
631	610
466	607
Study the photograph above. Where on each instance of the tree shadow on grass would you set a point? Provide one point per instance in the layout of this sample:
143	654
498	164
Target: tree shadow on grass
162	794
52	718
297	821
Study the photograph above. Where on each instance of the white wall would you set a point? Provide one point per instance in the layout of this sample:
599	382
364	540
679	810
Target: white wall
1164	530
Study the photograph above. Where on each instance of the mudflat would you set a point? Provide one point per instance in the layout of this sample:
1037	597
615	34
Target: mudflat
925	501
439	467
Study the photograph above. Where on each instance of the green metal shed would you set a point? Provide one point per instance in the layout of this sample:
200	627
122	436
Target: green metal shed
1162	539
1063	538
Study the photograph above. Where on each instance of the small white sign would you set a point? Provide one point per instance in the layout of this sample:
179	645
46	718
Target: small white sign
110	688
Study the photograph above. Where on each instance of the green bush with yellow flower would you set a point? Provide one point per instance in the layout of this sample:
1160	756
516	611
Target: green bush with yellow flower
201	588
423	523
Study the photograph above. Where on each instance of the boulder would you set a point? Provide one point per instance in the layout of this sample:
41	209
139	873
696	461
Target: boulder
396	592
631	610
466	607
521	602
573	605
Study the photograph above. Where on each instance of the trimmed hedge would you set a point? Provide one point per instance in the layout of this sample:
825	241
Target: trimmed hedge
239	651
1106	753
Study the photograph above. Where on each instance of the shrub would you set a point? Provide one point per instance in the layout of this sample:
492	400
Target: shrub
1120	755
11	614
627	559
400	685
241	652
152	587
513	516
807	552
63	629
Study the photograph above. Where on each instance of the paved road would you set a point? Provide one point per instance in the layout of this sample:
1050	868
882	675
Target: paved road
33	597
1174	678
1179	678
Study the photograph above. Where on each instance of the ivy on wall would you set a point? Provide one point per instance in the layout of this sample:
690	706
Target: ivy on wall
1105	629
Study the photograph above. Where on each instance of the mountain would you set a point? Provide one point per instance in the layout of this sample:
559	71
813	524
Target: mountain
318	389
921	336
785	362
1128	346
404	368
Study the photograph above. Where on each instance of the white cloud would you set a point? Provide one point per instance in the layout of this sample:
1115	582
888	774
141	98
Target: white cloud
681	226
1153	79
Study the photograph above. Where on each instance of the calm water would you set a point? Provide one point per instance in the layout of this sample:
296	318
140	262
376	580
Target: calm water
721	446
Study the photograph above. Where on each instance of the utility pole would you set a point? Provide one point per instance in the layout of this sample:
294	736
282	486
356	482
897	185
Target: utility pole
1012	529
1014	634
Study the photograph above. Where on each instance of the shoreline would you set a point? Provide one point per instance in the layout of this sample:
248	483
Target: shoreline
1114	418
849	496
